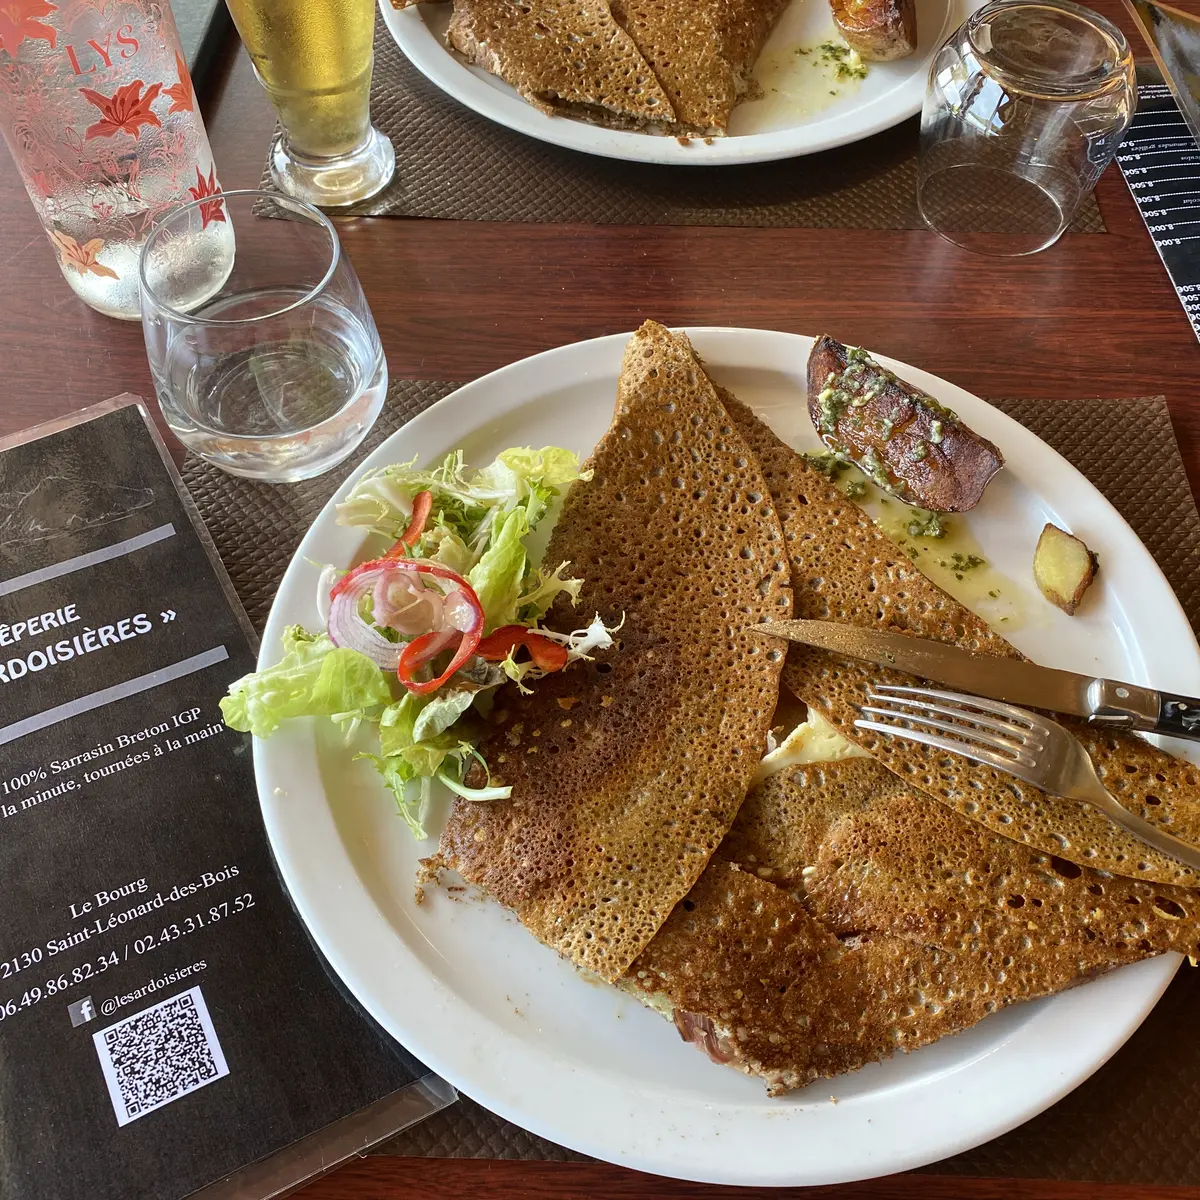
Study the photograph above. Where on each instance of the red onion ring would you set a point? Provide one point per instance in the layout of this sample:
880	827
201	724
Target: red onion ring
347	628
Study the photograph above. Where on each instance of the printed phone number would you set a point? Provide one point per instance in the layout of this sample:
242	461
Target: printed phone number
143	945
172	933
79	974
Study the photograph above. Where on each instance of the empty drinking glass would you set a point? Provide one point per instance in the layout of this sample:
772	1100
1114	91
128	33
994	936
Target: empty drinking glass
279	375
1026	105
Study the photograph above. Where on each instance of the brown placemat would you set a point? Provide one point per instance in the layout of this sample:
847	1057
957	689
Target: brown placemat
1133	1122
451	163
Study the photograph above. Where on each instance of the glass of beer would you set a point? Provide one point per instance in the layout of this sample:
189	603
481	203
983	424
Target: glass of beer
314	57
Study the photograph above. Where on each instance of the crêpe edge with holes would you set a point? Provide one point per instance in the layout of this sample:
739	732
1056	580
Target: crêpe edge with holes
567	57
905	864
845	568
702	52
847	917
628	772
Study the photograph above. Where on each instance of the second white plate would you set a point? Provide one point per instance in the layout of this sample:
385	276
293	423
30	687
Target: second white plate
795	116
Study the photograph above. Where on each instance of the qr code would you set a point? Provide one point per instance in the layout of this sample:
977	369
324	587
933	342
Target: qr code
159	1054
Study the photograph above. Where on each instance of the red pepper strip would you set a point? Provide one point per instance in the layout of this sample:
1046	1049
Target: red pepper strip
547	655
421	649
422	506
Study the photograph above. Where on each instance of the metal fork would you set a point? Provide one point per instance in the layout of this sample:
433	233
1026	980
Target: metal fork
1024	744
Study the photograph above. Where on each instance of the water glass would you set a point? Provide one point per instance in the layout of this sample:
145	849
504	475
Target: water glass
278	374
1026	105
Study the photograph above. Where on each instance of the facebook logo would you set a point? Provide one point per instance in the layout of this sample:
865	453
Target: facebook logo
82	1011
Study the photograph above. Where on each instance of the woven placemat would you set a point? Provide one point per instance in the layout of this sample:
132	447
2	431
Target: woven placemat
454	164
1134	1120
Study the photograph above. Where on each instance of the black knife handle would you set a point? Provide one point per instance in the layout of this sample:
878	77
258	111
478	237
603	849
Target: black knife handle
1178	716
1128	706
1125	705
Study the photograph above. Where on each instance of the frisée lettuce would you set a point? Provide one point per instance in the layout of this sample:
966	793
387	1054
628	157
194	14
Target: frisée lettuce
454	579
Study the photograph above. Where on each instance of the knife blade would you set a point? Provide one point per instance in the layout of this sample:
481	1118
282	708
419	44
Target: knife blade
1101	701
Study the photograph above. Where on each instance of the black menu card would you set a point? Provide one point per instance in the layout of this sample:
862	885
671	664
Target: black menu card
164	1019
1160	161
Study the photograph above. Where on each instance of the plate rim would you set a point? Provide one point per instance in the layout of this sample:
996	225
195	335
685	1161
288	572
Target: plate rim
491	1082
416	41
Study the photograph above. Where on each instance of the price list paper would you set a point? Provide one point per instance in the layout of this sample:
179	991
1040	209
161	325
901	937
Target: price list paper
164	1019
1160	161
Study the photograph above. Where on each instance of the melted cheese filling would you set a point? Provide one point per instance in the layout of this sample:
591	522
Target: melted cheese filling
814	741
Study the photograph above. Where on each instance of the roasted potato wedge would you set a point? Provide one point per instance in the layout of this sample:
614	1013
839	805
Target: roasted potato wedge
1063	568
903	440
879	30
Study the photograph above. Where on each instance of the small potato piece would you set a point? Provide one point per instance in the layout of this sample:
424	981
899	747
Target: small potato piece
880	30
1063	568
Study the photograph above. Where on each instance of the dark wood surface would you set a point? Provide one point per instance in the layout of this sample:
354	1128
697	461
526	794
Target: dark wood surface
1093	316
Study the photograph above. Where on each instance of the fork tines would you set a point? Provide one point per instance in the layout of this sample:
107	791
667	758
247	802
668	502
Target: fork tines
999	735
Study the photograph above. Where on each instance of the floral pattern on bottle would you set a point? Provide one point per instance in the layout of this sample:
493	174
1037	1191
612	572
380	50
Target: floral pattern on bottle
98	109
124	112
19	20
214	210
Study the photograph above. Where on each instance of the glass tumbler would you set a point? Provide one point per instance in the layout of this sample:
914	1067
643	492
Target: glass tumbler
314	57
1026	105
280	374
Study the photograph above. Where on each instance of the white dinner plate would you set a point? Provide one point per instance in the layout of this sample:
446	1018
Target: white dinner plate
511	1024
795	115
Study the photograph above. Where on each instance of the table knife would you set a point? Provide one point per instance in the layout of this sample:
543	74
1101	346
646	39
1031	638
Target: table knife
1100	701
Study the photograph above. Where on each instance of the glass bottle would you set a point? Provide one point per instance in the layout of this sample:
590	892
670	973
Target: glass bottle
97	108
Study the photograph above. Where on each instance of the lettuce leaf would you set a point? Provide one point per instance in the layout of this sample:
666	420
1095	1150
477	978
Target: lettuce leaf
414	746
396	724
414	731
543	590
442	545
425	758
480	526
315	678
411	801
441	710
472	505
478	522
551	466
414	719
498	575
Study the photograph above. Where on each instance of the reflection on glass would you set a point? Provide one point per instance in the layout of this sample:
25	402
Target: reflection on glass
279	375
1026	105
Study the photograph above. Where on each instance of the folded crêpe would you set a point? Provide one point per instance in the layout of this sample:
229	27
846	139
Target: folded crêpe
676	64
702	52
566	57
848	916
627	772
845	568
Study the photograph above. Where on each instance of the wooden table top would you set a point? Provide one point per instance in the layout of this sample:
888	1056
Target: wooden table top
1094	316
